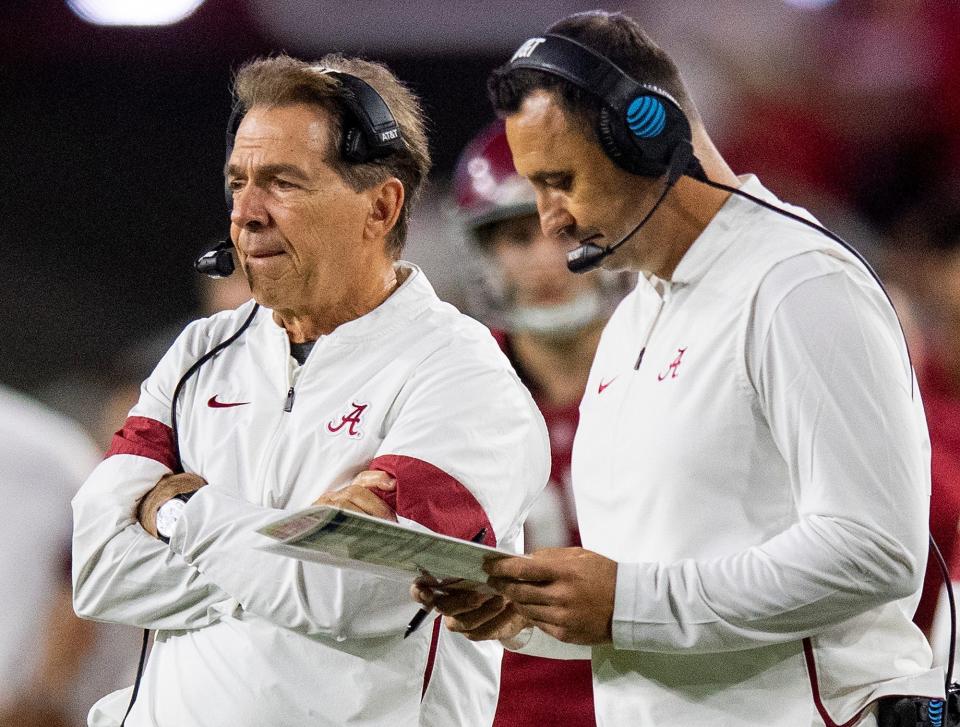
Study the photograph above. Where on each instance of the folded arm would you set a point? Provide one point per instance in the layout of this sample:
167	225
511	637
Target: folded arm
442	480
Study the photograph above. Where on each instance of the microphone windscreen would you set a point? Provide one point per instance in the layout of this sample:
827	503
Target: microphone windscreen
585	257
218	262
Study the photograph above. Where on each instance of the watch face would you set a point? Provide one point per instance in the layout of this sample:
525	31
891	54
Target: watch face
167	516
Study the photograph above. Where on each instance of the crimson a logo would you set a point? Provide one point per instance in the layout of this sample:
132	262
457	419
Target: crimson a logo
349	422
673	366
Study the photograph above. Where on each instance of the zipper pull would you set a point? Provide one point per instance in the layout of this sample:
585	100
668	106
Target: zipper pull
636	366
288	404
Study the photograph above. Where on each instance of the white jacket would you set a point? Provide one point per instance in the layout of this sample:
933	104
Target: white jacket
249	638
761	476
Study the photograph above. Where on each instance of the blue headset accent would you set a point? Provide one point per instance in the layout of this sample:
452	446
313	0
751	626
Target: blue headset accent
646	117
935	712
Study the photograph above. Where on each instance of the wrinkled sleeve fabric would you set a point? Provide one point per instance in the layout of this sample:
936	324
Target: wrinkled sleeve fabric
120	573
466	415
534	642
463	460
833	383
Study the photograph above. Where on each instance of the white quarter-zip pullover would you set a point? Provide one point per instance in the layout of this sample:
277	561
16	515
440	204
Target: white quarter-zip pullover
249	638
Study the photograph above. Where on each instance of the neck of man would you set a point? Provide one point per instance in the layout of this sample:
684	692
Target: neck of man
558	366
342	304
688	208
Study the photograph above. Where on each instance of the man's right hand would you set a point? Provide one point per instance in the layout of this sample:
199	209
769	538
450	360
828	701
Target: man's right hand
478	616
357	496
167	487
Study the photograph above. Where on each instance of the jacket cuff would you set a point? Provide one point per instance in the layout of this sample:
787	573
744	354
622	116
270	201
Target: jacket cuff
184	529
626	604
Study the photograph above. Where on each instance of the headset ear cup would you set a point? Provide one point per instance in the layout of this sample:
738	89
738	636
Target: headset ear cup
645	157
624	150
607	141
354	147
369	129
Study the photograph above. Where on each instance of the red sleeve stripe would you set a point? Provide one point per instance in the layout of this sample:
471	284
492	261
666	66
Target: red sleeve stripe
431	497
815	689
145	437
431	657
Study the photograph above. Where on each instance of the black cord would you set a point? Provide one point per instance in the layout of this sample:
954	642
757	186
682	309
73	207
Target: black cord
190	372
833	236
178	466
945	572
136	682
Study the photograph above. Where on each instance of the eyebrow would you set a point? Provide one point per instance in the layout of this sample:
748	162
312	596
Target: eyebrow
268	170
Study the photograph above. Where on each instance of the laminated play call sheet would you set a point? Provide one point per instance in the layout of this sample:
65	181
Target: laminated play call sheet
360	542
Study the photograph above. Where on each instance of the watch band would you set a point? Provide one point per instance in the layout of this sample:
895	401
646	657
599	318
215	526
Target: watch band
182	496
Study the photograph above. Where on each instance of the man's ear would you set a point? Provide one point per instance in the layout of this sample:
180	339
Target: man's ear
386	201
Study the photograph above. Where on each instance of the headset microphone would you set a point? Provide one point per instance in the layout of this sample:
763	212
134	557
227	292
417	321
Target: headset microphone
218	262
588	256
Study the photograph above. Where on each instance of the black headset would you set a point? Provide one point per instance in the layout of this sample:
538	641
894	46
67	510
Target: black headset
640	127
369	132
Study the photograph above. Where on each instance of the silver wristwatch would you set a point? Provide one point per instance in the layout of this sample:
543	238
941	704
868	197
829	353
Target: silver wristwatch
169	513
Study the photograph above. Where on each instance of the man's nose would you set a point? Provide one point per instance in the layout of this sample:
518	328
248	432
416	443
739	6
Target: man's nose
555	220
248	207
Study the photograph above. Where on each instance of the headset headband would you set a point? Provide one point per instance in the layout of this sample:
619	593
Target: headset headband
583	67
374	134
376	121
641	127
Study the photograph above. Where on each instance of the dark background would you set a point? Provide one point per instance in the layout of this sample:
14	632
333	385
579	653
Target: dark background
112	173
112	138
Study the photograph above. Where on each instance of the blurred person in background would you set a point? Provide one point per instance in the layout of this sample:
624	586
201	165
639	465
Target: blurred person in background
548	322
351	362
754	540
43	645
138	359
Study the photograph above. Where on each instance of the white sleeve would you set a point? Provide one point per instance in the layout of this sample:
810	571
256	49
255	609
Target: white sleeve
216	534
462	459
469	447
940	628
837	393
120	573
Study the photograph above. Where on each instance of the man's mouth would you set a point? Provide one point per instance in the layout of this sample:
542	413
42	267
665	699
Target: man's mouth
260	252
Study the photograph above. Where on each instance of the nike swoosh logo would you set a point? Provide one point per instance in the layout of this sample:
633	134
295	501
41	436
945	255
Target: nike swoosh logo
605	385
214	404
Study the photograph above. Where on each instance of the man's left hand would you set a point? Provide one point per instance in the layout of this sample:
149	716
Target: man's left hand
166	489
566	592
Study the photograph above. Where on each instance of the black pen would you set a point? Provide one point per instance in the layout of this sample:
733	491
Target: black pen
420	616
